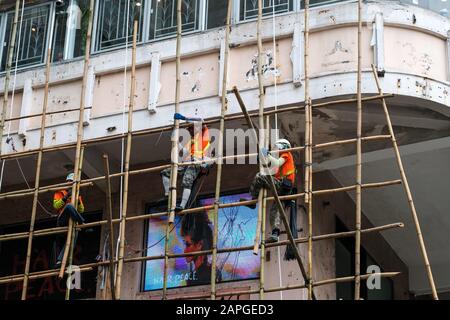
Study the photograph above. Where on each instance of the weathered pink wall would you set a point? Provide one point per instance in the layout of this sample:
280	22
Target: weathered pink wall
17	102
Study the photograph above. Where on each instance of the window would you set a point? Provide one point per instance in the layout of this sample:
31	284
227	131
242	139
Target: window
217	13
31	37
194	232
71	23
115	23
249	8
163	20
440	6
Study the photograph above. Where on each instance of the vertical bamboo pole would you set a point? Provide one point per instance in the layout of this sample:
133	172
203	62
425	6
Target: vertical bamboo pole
127	158
407	190
79	133
73	235
308	153
358	165
223	100
174	156
37	176
110	225
12	45
263	222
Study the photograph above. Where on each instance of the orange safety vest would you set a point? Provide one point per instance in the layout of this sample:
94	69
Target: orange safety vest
288	168
57	198
200	144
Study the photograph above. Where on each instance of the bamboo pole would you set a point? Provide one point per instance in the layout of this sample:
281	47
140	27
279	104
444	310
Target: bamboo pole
224	102
287	108
37	177
279	205
408	193
172	201
294	287
110	225
45	232
358	164
127	159
12	45
79	132
74	235
90	266
262	254
46	114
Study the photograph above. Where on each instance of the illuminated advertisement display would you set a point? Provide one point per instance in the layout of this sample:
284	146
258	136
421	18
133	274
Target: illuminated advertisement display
194	232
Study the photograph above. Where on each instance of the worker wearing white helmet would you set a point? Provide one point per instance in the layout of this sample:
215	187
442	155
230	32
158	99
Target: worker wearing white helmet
283	175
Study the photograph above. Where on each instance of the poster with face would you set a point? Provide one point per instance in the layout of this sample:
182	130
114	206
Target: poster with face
194	232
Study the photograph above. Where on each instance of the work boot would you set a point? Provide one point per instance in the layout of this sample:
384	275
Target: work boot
274	237
251	206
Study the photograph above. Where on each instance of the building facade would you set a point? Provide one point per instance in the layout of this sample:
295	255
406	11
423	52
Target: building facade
407	41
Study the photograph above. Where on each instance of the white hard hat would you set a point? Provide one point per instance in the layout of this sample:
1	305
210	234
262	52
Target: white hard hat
283	144
70	177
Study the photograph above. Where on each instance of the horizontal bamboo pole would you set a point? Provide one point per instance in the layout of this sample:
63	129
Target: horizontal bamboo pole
7	196
91	266
26	192
47	114
170	128
49	231
292	287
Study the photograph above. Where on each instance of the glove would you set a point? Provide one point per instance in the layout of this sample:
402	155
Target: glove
264	152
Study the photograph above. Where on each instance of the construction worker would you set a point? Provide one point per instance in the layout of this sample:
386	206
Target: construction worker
62	204
197	149
282	173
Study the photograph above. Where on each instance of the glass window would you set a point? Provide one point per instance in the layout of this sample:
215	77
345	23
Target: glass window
440	6
217	13
31	36
112	23
71	23
163	20
249	8
316	3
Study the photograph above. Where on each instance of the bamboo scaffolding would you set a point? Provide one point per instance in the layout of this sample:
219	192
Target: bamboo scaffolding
50	231
37	178
358	163
89	181
262	243
172	201
79	133
407	190
127	159
110	225
224	102
12	45
277	200
288	108
90	266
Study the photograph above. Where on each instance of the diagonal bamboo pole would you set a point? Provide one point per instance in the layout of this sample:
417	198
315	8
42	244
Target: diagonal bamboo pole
172	201
358	163
79	132
127	158
277	201
407	190
110	225
37	177
12	45
223	100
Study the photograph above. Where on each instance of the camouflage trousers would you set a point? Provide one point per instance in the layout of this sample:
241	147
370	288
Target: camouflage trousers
190	173
262	182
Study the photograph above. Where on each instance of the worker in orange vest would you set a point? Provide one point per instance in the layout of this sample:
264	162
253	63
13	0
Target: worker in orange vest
62	204
282	172
197	149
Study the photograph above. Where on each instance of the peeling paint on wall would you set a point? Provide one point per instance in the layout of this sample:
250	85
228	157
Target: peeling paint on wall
267	68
